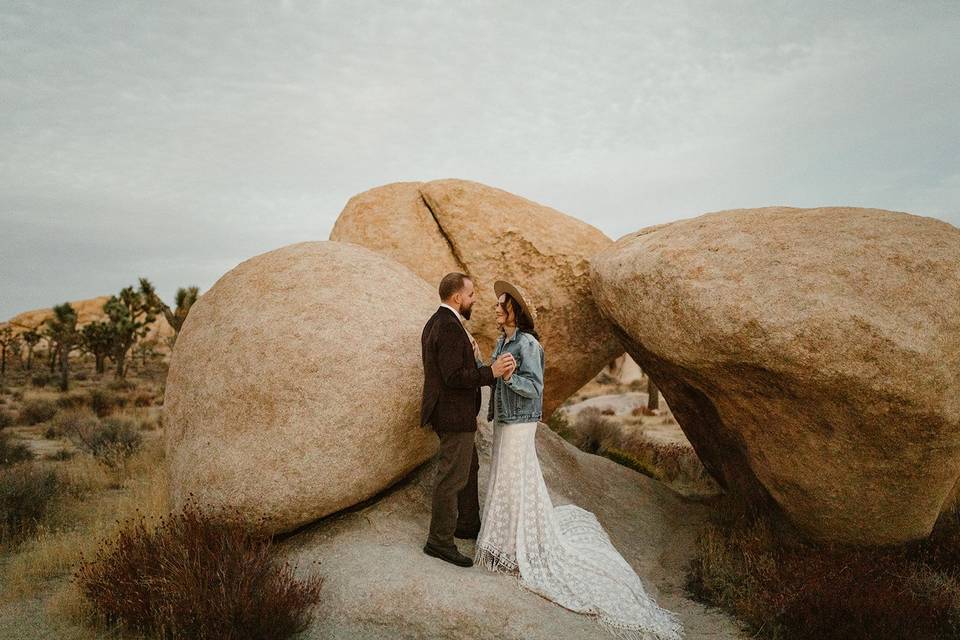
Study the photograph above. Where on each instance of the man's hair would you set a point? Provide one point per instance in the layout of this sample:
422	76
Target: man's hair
451	284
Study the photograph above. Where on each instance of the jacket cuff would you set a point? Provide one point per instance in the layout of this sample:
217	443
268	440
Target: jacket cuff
486	376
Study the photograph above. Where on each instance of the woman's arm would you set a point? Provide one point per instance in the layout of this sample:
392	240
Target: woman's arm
527	380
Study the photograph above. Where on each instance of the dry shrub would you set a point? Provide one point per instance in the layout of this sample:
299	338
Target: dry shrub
799	591
39	379
197	575
643	410
559	423
72	400
26	493
12	453
37	410
143	399
87	514
594	432
6	419
111	441
104	402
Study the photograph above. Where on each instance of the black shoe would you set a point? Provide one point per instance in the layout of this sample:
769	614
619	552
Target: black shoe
450	555
467	534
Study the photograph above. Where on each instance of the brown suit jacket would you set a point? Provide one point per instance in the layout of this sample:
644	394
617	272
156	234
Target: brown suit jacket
451	377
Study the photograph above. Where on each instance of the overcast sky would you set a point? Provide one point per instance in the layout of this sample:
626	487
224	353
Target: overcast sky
174	140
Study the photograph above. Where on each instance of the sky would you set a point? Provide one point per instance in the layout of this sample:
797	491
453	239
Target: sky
173	140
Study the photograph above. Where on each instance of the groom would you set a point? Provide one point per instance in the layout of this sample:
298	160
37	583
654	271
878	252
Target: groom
453	373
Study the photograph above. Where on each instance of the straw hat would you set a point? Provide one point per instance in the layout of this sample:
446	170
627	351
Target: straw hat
526	303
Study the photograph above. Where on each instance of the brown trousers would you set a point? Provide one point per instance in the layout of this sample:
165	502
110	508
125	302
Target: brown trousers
456	503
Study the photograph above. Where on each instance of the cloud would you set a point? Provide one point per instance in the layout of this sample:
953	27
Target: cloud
175	140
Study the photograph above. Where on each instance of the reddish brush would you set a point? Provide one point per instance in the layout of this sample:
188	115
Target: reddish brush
197	575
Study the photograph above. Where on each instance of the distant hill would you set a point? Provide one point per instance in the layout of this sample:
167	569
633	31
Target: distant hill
87	311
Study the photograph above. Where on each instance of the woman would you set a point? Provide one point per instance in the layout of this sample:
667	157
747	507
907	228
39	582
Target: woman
562	553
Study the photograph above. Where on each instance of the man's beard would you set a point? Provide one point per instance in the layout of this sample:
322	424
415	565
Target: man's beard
465	312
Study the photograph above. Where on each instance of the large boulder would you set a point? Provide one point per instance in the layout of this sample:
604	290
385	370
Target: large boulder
810	355
294	387
456	225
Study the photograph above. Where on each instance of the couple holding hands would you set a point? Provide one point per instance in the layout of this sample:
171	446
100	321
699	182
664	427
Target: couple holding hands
561	553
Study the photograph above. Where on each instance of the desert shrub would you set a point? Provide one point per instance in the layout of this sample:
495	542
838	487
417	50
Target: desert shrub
636	463
104	402
11	453
17	394
60	454
26	494
40	379
37	410
608	411
559	423
120	384
81	375
111	441
643	410
72	400
800	591
71	423
637	385
6	419
605	378
196	575
143	399
594	431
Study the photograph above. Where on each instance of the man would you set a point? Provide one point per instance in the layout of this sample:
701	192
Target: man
453	374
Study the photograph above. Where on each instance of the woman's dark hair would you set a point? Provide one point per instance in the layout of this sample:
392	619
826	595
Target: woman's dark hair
524	321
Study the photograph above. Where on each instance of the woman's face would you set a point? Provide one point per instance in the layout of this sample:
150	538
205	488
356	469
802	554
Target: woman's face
505	316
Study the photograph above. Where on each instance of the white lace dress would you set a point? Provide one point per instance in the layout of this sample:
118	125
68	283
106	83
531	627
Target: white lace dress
562	553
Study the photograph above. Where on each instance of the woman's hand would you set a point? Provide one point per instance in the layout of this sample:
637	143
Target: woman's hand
509	363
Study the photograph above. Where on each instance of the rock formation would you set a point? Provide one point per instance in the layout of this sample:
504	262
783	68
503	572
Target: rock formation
456	225
811	356
379	583
294	387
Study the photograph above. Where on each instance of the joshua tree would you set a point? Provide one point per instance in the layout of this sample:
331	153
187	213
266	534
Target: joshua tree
653	394
6	338
184	300
98	338
131	312
31	337
62	328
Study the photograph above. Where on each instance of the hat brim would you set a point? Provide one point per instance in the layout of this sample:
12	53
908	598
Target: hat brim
502	286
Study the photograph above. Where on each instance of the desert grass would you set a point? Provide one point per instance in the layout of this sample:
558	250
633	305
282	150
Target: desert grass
785	588
98	502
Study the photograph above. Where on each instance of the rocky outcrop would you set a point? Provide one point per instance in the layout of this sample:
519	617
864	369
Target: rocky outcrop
492	235
378	582
294	387
810	355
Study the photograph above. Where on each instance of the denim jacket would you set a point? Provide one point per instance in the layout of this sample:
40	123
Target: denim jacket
519	399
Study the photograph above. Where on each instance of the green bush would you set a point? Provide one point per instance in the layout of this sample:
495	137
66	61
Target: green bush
197	576
559	423
36	411
26	494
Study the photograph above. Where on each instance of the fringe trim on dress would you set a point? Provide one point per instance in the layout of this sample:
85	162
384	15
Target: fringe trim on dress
494	559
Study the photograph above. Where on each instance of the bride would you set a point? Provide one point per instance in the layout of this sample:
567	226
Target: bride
561	553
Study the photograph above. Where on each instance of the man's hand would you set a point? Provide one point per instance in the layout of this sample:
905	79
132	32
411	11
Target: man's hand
504	366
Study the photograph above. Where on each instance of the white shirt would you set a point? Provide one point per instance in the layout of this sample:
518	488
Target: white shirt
455	312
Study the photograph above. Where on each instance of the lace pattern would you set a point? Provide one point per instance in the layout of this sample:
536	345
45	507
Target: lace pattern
561	553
